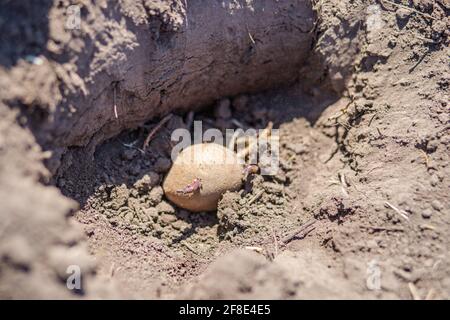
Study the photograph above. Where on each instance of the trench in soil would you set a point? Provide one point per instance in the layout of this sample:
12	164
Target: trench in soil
153	247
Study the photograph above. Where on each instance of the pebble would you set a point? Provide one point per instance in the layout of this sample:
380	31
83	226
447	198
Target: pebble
427	213
156	195
179	225
151	212
167	219
434	180
437	205
147	182
165	207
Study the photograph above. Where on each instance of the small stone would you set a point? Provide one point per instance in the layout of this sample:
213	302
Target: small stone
437	205
162	165
427	213
222	110
179	225
147	182
444	118
129	154
155	196
166	219
240	103
165	207
151	212
129	216
402	13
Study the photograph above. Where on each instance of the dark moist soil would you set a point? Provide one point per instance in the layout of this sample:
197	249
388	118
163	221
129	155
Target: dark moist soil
363	186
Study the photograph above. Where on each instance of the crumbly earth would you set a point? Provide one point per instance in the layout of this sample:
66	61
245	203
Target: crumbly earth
364	163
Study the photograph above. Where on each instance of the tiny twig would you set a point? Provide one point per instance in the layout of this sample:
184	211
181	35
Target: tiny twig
414	292
427	227
344	184
301	232
255	197
250	36
343	110
115	102
435	265
402	213
377	228
346	126
237	123
275	241
255	249
189	248
374	168
131	145
431	294
371	119
187	20
333	153
155	130
427	40
427	158
379	133
112	270
409	8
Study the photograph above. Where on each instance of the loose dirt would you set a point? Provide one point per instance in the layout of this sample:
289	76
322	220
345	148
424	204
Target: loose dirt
364	168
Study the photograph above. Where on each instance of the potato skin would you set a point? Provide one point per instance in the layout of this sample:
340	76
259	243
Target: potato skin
216	166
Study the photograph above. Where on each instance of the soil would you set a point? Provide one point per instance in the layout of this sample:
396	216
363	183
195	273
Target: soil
364	165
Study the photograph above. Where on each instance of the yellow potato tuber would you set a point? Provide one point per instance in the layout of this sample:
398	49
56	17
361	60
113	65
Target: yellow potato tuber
200	175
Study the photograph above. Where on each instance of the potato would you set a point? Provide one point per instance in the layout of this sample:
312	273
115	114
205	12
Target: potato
200	175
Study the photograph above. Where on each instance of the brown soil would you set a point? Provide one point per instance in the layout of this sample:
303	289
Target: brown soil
364	134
